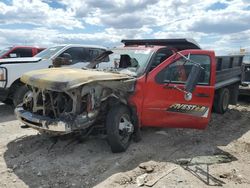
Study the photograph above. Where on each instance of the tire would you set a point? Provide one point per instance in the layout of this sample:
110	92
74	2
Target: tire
19	95
221	101
118	138
7	101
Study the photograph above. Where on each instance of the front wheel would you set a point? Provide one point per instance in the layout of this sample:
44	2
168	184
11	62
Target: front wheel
20	94
119	128
7	101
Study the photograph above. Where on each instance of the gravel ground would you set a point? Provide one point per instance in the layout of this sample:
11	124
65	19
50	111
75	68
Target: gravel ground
217	156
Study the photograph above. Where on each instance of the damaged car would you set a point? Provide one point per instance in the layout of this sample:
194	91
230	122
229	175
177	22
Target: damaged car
142	84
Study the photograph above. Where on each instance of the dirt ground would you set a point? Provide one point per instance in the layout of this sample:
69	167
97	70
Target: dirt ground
217	156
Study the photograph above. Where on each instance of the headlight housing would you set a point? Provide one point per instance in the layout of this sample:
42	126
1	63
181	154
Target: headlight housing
2	75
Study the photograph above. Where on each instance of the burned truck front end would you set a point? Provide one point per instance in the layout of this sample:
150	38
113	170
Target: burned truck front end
62	101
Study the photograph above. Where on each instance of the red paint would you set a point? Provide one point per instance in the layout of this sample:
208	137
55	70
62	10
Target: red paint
35	50
151	99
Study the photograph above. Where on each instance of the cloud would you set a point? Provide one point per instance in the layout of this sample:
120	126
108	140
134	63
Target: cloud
47	37
216	24
222	21
108	7
113	13
37	13
125	21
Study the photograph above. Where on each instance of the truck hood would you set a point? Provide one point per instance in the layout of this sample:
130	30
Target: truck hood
63	79
19	60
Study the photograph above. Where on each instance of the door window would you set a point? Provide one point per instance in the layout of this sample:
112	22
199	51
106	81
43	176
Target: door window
179	70
159	57
94	52
78	54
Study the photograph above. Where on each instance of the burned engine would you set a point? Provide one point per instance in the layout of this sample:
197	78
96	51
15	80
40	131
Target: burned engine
76	109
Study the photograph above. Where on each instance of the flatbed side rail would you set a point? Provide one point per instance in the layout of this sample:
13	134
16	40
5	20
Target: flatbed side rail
228	74
228	70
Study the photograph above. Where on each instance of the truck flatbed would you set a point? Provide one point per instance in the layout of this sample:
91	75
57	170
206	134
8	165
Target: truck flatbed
228	70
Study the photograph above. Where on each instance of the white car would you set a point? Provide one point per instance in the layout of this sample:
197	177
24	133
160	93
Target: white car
13	90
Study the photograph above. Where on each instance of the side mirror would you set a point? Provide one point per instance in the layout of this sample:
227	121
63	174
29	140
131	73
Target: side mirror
64	59
59	61
12	55
192	81
67	56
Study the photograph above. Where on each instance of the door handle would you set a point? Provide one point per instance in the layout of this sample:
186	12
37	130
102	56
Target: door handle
168	87
172	87
205	95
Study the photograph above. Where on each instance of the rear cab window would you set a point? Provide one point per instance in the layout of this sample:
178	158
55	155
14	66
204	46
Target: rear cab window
21	52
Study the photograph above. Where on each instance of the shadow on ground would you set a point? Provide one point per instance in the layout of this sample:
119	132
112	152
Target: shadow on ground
38	160
6	113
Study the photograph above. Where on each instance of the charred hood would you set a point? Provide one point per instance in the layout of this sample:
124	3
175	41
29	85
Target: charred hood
62	79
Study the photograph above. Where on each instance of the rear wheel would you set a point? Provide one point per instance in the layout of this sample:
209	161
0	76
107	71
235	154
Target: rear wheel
119	128
221	101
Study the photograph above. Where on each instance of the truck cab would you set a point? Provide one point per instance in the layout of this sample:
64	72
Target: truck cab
11	69
20	51
156	83
160	90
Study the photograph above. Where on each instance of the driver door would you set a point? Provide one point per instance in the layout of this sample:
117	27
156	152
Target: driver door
164	103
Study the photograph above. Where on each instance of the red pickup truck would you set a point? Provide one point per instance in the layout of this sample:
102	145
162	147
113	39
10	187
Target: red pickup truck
19	51
157	83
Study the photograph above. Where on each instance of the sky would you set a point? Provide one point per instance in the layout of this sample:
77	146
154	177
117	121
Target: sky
220	25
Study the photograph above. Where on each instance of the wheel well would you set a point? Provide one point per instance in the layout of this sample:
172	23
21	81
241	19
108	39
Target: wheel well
132	109
233	90
17	83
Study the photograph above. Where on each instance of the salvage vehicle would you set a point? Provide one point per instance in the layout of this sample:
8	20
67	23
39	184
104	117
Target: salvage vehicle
157	83
228	61
246	63
245	88
19	51
13	90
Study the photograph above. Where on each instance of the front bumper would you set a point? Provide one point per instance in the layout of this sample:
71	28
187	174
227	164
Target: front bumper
4	92
54	126
42	123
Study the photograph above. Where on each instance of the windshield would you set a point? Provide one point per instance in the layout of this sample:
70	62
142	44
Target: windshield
4	51
49	52
128	61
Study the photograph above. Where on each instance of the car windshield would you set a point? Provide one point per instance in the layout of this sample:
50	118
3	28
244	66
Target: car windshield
49	52
2	52
128	61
